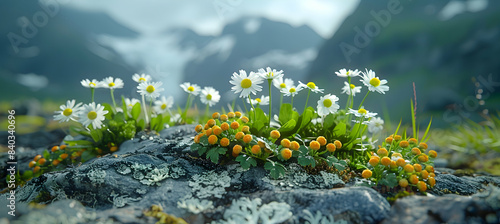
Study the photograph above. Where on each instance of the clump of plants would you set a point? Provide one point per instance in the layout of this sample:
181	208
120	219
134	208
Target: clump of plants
324	137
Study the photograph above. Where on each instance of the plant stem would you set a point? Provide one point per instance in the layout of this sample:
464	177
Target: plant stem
113	97
281	100
254	111
150	110
350	93
232	106
270	102
145	111
292	102
307	100
184	115
207	111
363	100
92	93
245	106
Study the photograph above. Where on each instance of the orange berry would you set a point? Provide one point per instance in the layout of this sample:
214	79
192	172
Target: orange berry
425	174
217	130
42	161
261	144
32	164
415	151
413	141
386	161
423	145
366	174
433	154
237	149
62	147
401	162
224	142
196	139
36	169
247	139
409	168
338	144
206	127
374	160
275	134
209	131
321	140
331	147
224	126
403	182
393	164
239	135
55	162
423	158
113	148
212	139
314	145
432	175
245	129
421	186
198	128
397	155
245	119
413	179
404	144
211	122
79	153
397	137
286	143
429	169
388	140
235	125
382	152
55	148
294	145
431	181
238	114
230	115
286	153
418	167
256	149
223	117
64	156
216	115
37	157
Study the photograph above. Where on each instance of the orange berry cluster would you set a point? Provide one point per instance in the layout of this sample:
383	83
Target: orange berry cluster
321	142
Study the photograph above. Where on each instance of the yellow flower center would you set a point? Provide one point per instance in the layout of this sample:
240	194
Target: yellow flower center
362	111
150	89
352	86
67	112
246	83
271	74
209	97
190	89
282	85
327	103
258	100
163	106
92	115
91	84
141	79
347	73
311	85
130	105
111	84
375	82
292	90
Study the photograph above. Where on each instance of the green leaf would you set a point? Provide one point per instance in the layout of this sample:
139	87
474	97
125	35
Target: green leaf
136	111
87	155
306	116
285	113
329	122
46	154
141	125
110	110
156	122
276	169
425	138
330	160
340	129
119	118
96	134
389	180
214	153
79	142
28	174
306	160
288	126
124	107
415	130
246	161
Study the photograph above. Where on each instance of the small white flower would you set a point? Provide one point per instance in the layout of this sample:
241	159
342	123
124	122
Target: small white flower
374	83
291	90
282	85
209	96
246	84
191	88
375	125
362	113
141	78
312	86
264	100
176	118
327	105
164	104
344	73
91	84
92	114
348	89
130	103
112	83
270	74
68	112
150	89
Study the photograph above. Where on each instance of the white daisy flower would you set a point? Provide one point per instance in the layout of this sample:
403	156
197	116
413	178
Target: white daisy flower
112	83
327	105
344	73
68	112
270	74
141	78
292	90
191	88
130	103
374	83
281	85
91	84
209	96
375	125
92	114
362	113
150	89
163	105
176	118
348	89
312	86
246	84
264	100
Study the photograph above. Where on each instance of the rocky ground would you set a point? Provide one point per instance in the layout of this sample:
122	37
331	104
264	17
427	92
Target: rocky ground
152	172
